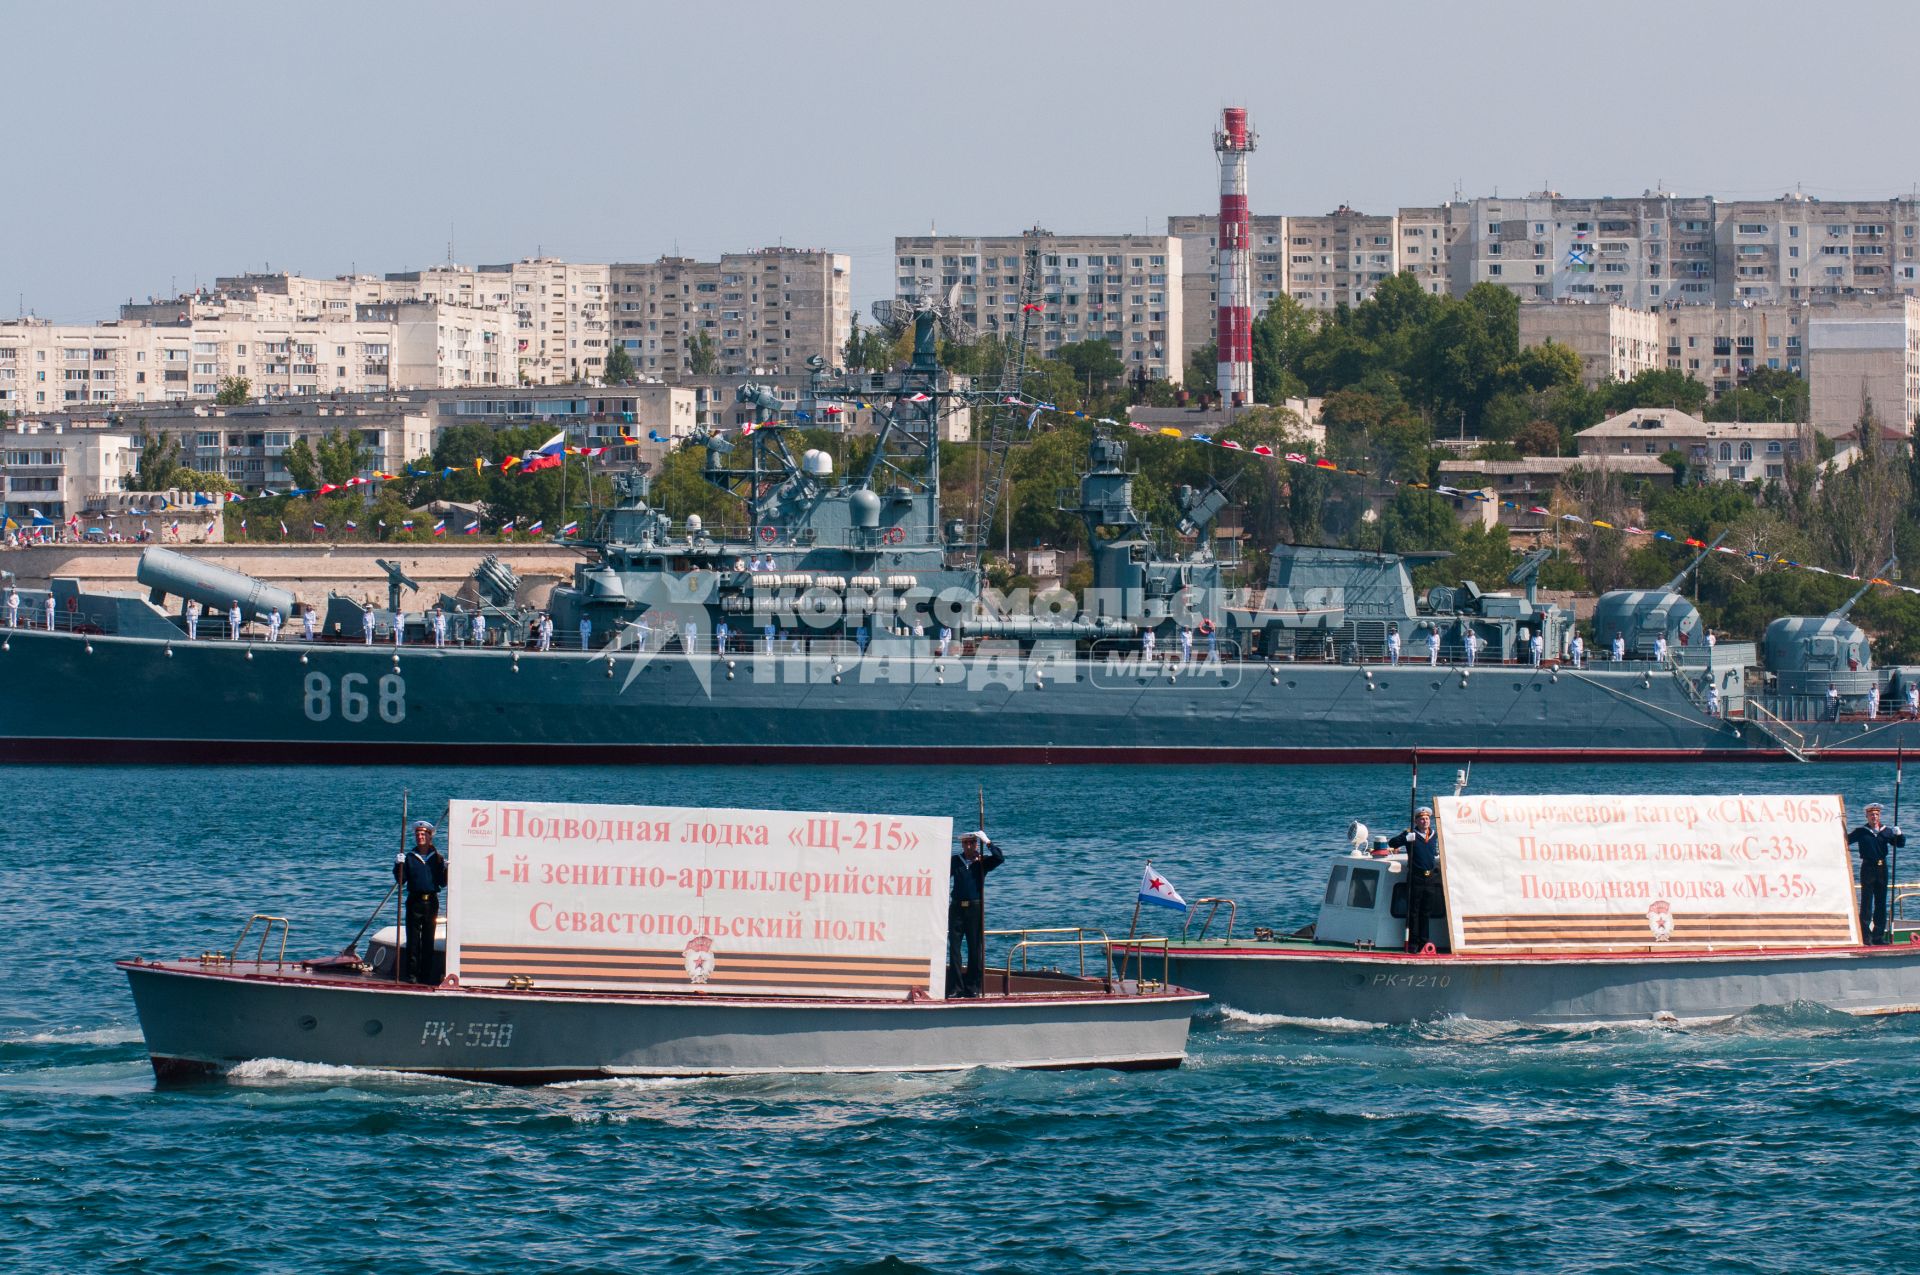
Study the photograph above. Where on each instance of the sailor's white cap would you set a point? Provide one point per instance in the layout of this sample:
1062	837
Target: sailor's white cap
1425	810
422	823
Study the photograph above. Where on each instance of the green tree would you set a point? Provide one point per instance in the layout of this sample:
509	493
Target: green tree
1281	338
1203	369
234	391
1538	438
199	480
1095	363
159	458
702	359
303	467
619	369
1656	387
1547	366
342	454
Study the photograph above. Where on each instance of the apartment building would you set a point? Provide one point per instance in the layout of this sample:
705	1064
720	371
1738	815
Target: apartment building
50	367
1428	240
1635	252
1123	289
1721	344
1199	236
1339	258
765	313
55	470
1615	343
1796	248
1861	353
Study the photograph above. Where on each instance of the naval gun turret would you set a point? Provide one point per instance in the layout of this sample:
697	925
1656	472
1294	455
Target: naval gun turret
1808	653
397	580
1640	616
1135	581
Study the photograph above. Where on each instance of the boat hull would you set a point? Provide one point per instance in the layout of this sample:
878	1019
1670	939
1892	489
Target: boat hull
207	1021
1301	982
127	699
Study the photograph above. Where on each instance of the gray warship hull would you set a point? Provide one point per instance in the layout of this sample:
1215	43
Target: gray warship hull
74	697
1300	981
200	1021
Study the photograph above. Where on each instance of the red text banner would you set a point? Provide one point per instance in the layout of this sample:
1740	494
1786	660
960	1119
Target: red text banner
1615	873
651	898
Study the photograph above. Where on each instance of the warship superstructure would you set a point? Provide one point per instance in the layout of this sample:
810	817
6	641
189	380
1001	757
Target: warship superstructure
844	619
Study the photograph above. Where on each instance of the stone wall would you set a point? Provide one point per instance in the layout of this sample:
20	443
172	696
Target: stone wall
310	571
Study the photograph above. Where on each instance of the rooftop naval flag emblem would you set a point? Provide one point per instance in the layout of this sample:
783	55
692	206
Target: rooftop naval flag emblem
1159	891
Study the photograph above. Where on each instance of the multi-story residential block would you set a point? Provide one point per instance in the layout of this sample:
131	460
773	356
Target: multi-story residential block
1864	353
1429	240
1122	289
1340	258
1721	344
47	367
1635	252
1715	451
1615	343
55	470
1199	236
765	313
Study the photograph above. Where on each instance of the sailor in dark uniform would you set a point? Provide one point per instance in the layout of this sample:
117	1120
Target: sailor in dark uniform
422	874
967	912
1422	845
1876	843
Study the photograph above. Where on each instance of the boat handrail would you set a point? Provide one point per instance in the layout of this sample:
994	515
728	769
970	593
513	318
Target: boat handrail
1024	945
1233	911
1021	936
1131	951
266	931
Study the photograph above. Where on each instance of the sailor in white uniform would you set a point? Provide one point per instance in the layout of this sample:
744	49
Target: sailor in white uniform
50	613
1660	649
399	628
13	607
1186	645
1713	701
721	632
1913	700
1873	703
479	629
946	640
1619	648
586	634
1536	648
1393	648
439	627
366	623
691	638
193	619
273	625
1433	648
234	622
1579	650
306	623
1146	646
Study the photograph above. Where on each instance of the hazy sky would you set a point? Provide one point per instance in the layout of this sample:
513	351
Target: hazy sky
153	145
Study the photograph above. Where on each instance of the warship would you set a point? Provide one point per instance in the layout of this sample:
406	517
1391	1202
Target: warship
844	619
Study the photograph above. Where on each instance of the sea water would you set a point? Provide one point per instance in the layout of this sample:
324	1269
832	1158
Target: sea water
1780	1140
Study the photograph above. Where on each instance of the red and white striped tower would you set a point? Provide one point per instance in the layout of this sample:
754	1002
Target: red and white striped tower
1233	333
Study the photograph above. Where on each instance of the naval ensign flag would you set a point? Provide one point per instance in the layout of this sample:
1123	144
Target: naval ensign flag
1159	891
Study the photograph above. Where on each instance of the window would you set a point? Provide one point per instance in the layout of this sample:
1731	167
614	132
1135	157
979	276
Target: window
1363	888
1336	879
1726	451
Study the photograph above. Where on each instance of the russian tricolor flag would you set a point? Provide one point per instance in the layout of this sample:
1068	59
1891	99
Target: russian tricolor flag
318	525
473	529
570	528
539	524
440	528
1159	891
548	454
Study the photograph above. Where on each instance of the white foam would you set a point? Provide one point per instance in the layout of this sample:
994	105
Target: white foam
98	1036
271	1069
1242	1020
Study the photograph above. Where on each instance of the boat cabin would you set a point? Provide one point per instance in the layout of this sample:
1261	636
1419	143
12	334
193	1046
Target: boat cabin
1365	904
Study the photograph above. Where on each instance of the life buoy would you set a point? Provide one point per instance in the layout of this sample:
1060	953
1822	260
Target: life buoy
769	534
894	535
1206	627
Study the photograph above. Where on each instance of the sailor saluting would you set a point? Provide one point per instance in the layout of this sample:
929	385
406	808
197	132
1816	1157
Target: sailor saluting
422	874
1876	843
1423	875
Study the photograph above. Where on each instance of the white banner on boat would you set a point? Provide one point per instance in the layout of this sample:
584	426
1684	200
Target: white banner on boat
1612	873
647	898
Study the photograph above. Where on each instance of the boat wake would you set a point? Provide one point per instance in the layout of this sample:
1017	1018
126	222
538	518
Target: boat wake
1232	1019
97	1036
275	1070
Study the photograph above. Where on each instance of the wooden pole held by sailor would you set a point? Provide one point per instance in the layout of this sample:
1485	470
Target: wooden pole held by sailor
1893	852
400	895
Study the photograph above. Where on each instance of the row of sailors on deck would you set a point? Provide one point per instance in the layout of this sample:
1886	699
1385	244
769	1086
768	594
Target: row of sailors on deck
13	610
1472	645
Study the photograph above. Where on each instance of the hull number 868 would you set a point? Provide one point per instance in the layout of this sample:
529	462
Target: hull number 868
356	697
